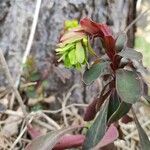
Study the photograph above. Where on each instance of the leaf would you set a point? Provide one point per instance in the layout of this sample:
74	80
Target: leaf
126	119
114	102
144	140
97	130
102	99
69	141
71	37
109	45
35	76
128	86
89	26
105	93
66	48
79	52
31	92
121	41
69	24
91	50
95	71
90	111
131	54
120	112
48	141
67	61
72	57
110	136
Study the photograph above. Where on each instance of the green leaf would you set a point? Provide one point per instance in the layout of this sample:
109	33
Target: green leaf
72	57
31	92
91	50
131	54
114	102
121	41
95	71
120	112
37	107
144	140
80	54
128	86
48	141
97	130
66	48
35	76
69	24
67	62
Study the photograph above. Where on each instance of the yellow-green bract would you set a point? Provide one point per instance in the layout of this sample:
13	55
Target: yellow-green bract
73	46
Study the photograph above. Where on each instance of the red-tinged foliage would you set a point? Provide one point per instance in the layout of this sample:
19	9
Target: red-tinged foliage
102	31
109	44
110	136
71	34
90	111
69	141
119	70
90	26
126	119
33	132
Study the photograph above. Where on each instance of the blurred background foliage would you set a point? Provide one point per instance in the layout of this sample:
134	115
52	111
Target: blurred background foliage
142	38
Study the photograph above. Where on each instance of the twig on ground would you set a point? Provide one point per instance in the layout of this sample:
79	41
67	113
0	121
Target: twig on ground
30	40
25	140
11	82
27	85
51	121
20	135
59	110
13	113
12	99
43	124
65	99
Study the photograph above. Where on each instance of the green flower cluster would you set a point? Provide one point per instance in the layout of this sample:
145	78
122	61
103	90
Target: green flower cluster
73	45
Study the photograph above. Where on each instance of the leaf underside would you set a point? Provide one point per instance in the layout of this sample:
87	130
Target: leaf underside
95	71
48	141
131	54
128	85
110	136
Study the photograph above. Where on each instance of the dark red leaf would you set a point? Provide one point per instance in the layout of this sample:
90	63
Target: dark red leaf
126	119
106	30
109	44
90	26
95	29
100	30
69	141
90	111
